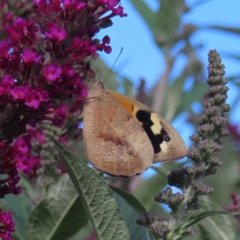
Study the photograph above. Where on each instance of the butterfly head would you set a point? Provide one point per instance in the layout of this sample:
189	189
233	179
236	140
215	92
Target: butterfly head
96	89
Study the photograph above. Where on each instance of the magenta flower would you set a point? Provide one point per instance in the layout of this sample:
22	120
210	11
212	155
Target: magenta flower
8	167
81	6
21	162
235	205
7	225
21	31
68	70
4	49
109	3
18	92
7	81
30	56
55	32
119	11
52	72
103	45
27	163
45	61
35	97
6	84
70	3
23	144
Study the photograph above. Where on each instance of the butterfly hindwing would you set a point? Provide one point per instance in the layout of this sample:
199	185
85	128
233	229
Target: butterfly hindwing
166	142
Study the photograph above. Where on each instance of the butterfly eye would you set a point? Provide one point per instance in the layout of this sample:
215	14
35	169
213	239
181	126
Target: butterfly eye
167	139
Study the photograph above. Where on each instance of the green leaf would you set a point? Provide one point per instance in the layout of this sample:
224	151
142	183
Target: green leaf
219	227
196	216
28	188
97	198
147	14
15	237
137	232
173	103
130	199
204	233
60	215
128	87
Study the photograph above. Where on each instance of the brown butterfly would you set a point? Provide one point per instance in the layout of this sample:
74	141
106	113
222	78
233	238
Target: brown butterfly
123	137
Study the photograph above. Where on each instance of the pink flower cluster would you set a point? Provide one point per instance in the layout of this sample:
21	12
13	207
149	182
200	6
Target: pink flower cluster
6	225
44	62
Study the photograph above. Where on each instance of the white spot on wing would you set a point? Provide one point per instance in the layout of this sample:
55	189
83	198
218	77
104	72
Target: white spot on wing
164	146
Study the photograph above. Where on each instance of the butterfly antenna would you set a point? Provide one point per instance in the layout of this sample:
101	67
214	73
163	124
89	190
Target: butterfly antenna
113	64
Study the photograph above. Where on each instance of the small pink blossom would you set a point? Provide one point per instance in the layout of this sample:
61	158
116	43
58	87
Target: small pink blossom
81	6
55	32
26	163
22	25
7	225
103	45
13	33
19	92
6	83
21	162
35	98
32	164
68	70
109	3
62	111
52	72
32	101
23	144
69	3
119	11
84	91
21	31
30	56
59	116
4	49
77	42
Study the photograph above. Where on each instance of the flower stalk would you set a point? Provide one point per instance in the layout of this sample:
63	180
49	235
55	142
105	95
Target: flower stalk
204	153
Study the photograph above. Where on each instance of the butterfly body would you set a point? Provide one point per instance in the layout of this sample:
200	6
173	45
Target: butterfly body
124	137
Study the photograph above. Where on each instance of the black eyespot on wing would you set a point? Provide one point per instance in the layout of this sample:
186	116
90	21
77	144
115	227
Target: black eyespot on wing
165	135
